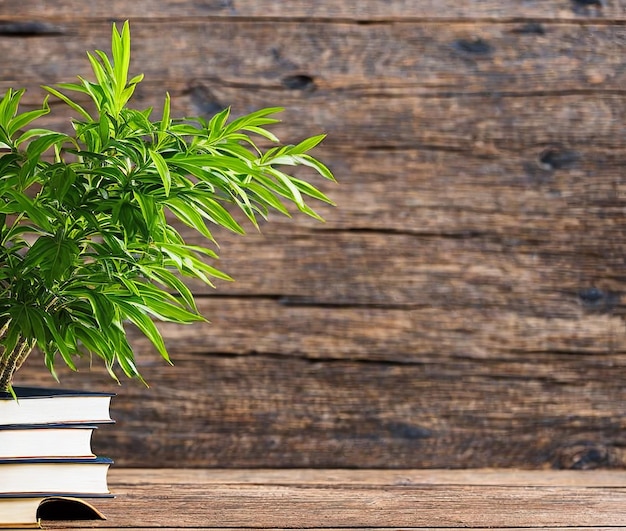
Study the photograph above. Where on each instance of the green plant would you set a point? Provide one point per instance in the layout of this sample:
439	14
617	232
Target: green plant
86	243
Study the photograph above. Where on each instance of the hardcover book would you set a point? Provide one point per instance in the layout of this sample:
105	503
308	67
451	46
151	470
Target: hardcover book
46	462
46	475
25	512
46	440
54	406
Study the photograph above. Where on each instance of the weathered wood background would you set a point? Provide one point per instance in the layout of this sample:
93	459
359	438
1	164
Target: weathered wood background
463	306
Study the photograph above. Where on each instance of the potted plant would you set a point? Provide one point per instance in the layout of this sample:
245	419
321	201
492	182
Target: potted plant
88	242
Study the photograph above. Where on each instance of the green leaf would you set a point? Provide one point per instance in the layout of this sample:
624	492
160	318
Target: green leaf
65	345
152	216
37	147
145	324
189	264
219	162
310	190
61	182
217	123
26	118
39	214
289	189
307	160
96	341
68	101
215	212
31	133
307	144
159	304
88	220
189	215
8	106
267	198
120	45
102	307
74	86
53	255
163	170
124	353
165	120
256	118
168	279
261	132
39	326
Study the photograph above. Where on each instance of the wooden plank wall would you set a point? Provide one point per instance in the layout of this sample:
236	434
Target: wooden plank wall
463	306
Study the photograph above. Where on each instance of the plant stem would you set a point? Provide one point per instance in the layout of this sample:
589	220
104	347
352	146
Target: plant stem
10	362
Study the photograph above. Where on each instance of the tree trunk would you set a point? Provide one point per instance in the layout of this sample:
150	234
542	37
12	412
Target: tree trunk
11	361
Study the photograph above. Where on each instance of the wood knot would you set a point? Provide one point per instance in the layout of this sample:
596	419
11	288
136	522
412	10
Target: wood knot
403	430
299	82
583	456
597	300
555	158
203	101
30	29
583	7
473	46
587	3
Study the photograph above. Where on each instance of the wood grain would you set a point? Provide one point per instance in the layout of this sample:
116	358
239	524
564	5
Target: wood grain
463	306
256	503
368	10
418	410
415	229
412	86
393	59
373	478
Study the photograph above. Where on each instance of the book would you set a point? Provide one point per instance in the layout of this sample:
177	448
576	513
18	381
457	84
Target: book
25	512
54	476
46	461
54	406
19	512
46	440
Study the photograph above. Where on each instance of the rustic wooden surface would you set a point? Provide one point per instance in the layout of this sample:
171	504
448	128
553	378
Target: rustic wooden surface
365	499
463	306
395	10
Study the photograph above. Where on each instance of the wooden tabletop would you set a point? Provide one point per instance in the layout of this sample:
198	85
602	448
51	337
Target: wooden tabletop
360	499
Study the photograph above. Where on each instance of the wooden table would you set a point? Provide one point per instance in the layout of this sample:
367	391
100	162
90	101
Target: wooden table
360	499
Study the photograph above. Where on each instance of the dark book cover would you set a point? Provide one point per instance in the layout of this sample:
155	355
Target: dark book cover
43	392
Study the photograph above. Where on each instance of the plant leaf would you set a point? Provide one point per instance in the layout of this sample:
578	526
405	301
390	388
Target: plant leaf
163	170
68	101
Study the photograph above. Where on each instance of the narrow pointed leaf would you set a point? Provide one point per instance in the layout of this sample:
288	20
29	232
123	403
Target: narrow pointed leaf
69	102
163	170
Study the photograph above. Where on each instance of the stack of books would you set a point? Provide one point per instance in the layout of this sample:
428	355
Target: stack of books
46	457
